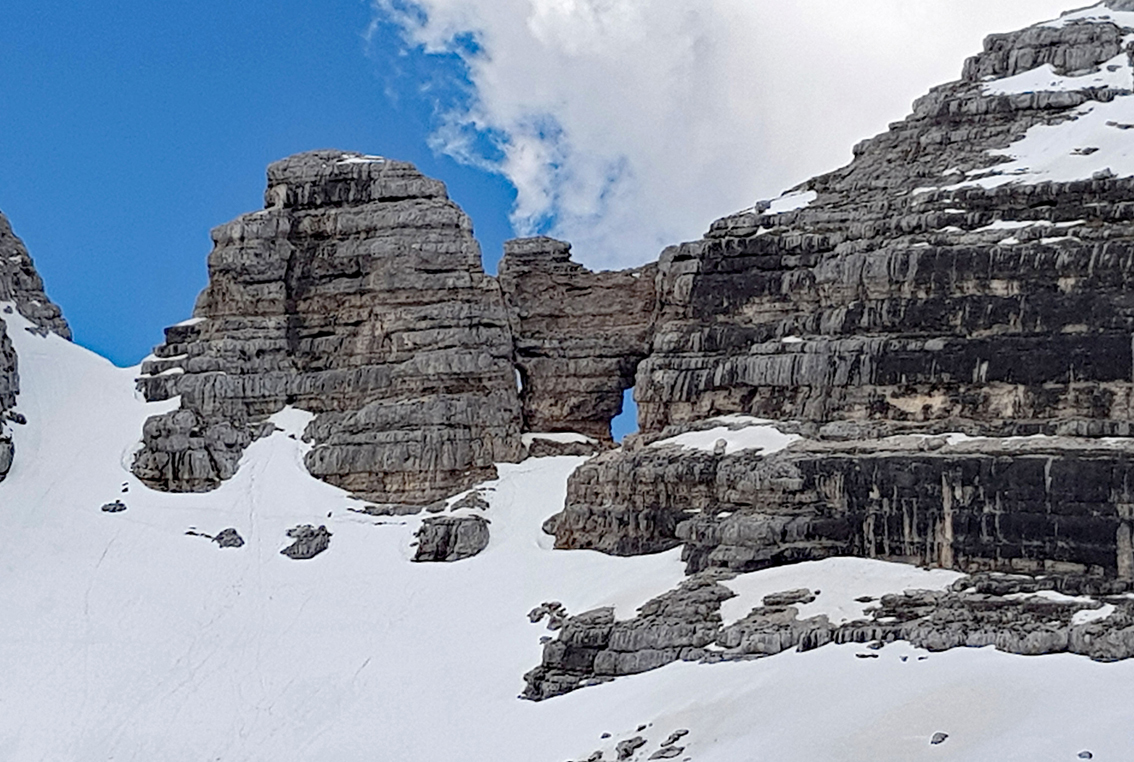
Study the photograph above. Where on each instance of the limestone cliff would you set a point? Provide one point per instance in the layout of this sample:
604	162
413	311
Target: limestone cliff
968	273
356	294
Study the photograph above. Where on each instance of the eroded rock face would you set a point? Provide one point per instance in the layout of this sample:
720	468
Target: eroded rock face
22	289
905	291
356	294
579	335
1027	505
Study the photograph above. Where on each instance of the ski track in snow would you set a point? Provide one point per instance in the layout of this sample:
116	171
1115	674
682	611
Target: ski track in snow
124	638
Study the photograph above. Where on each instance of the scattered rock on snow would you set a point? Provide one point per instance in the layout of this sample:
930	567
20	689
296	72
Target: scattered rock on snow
451	538
625	749
789	598
309	542
938	739
116	507
668	752
229	538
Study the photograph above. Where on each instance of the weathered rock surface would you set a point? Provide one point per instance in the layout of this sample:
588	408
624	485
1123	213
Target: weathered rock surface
904	291
21	286
1017	614
229	538
308	542
900	300
451	538
579	335
1037	504
356	294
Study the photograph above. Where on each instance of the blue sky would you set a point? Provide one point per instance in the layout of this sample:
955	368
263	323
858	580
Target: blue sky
129	128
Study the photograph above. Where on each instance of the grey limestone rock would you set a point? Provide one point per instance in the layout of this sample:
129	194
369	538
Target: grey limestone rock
579	335
21	285
1013	613
625	749
357	294
229	538
451	538
308	542
1047	504
895	297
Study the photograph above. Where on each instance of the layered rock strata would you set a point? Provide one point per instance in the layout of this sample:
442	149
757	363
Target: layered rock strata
579	335
357	294
934	279
967	273
1020	615
1035	504
22	288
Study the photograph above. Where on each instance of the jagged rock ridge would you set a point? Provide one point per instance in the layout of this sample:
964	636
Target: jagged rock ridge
22	288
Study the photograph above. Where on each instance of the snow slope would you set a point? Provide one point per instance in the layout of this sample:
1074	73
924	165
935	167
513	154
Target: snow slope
123	638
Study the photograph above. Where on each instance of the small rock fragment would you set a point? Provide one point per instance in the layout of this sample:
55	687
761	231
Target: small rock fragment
625	749
1086	755
309	542
229	538
668	752
938	739
675	736
472	500
116	507
789	597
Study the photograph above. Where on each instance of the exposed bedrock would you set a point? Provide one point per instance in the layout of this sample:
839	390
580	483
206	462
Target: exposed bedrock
451	538
357	294
22	288
579	335
1039	504
1015	614
899	293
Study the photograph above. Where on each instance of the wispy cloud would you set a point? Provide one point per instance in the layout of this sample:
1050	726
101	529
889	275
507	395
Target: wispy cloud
627	125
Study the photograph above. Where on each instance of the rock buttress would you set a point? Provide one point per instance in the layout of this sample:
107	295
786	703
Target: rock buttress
356	294
579	335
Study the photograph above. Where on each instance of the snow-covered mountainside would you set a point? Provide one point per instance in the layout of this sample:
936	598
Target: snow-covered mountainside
126	636
922	357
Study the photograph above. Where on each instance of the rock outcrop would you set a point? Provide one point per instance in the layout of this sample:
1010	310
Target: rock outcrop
933	280
1021	615
451	538
22	288
579	335
968	273
356	294
1030	504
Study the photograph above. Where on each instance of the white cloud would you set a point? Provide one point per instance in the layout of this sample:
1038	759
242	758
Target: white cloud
627	125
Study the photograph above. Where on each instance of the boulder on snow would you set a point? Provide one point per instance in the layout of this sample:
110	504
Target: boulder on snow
309	542
451	538
229	538
116	507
